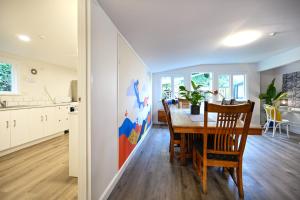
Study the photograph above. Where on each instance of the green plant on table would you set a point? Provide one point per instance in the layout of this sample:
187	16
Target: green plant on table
195	97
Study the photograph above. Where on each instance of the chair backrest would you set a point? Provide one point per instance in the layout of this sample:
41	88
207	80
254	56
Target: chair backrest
272	113
227	102
226	139
169	119
183	103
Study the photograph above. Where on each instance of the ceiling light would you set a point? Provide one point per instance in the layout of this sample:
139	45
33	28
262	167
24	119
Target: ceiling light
241	38
24	38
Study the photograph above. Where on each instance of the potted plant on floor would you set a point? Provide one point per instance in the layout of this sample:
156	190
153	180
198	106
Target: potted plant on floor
271	97
195	97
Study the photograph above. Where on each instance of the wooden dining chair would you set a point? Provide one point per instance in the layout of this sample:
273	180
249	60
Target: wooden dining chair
227	146
175	138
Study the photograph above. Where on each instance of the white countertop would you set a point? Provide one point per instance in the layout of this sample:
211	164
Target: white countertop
33	106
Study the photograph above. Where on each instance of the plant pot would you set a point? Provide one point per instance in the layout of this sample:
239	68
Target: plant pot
195	109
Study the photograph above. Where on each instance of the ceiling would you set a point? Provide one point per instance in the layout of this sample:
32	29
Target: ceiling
51	24
169	34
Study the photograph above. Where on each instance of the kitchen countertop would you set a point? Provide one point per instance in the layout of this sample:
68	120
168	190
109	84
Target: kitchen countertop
19	107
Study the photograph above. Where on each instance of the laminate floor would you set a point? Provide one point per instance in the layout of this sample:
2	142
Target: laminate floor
40	172
271	171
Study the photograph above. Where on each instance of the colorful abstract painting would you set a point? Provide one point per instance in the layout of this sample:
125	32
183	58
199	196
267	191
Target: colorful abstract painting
132	130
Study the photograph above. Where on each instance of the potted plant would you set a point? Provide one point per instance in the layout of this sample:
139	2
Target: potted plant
271	97
195	97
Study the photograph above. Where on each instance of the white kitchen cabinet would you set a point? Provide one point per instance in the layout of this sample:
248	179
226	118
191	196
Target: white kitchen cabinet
62	118
4	130
36	125
50	121
19	127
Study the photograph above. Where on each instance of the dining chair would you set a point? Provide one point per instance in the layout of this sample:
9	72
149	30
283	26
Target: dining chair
227	146
175	138
183	103
274	117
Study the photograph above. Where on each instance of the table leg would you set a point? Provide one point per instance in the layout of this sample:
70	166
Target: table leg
182	150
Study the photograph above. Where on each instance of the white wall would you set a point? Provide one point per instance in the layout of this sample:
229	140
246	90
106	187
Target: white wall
252	82
113	68
267	76
56	79
104	138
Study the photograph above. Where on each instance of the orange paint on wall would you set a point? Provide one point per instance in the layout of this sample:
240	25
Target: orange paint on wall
125	148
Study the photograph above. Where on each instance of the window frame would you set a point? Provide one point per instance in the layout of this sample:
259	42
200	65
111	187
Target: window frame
14	78
219	98
231	85
211	81
161	92
175	77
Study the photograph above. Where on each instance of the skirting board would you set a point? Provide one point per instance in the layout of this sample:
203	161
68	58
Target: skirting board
23	146
119	174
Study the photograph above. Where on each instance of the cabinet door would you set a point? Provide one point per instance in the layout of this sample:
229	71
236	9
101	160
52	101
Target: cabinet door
19	126
36	125
4	130
66	120
50	121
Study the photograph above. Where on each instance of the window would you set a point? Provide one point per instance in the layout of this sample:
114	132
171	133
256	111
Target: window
224	87
166	88
178	81
204	79
239	87
7	81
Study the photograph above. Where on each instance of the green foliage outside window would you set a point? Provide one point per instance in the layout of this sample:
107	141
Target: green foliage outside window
5	77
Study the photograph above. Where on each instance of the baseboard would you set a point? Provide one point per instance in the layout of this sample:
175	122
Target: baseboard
23	146
119	174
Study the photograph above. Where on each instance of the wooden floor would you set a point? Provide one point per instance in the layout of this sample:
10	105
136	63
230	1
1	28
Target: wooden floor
271	171
40	172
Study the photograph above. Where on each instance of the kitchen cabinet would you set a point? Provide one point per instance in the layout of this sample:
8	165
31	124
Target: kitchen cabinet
19	127
36	125
50	122
62	118
4	130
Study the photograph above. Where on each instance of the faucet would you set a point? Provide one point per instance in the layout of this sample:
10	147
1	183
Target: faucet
3	104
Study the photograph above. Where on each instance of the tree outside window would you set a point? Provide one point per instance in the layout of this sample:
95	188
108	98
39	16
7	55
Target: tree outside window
178	81
5	77
224	86
166	88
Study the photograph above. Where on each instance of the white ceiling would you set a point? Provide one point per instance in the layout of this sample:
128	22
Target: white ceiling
169	34
56	20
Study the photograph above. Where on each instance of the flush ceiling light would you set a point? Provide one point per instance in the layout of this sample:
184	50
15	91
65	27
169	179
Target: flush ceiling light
241	38
24	38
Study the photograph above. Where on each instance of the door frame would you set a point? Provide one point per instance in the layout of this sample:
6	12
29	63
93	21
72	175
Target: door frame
84	177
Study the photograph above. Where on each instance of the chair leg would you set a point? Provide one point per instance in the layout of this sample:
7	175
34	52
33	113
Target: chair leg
266	126
171	151
194	158
279	126
182	150
240	181
274	129
204	178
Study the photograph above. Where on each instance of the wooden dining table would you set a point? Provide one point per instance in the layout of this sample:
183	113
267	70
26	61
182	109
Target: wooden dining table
184	123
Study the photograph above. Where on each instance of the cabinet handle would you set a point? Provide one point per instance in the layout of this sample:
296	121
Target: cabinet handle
42	118
15	123
46	118
7	124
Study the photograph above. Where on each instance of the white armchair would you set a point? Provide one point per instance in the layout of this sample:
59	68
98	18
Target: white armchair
271	113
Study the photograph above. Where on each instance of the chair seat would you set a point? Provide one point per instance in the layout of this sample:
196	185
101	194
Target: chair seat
212	156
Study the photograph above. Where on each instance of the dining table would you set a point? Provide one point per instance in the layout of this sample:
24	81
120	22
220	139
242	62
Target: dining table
185	124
